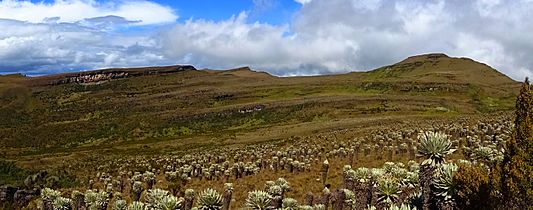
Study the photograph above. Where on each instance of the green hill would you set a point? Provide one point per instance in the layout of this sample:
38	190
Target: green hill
123	108
443	69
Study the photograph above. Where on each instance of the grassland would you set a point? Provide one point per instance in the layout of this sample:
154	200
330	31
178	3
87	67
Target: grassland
53	126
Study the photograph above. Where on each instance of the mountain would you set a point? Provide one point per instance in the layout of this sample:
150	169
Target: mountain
114	109
438	68
443	69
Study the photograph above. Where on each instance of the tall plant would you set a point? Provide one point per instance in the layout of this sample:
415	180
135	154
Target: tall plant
434	146
517	165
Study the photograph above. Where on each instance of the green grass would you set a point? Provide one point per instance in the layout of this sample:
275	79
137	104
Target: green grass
440	111
10	174
321	118
488	104
191	104
77	127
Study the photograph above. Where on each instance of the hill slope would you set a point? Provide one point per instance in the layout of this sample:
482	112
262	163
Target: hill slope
444	69
190	107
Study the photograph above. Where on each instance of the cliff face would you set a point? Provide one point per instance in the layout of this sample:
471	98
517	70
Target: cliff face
92	78
89	77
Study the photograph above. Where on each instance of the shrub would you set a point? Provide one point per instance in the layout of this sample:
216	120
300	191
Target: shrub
517	165
472	187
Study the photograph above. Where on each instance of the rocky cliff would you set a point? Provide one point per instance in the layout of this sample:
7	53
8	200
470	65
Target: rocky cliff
89	77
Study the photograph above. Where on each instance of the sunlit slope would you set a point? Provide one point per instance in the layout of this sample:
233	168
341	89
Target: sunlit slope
143	105
439	68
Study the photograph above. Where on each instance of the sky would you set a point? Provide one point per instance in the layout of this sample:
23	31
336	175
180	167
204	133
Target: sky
282	37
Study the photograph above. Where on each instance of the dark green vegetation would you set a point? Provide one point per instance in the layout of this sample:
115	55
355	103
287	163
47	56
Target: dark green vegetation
10	173
508	185
172	112
517	167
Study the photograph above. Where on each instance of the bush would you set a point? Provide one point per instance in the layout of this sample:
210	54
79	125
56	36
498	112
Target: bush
473	187
517	165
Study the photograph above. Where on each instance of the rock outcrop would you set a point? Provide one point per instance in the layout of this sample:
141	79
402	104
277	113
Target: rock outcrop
90	77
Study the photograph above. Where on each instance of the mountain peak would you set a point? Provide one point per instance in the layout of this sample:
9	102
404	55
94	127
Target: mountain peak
425	57
245	72
440	68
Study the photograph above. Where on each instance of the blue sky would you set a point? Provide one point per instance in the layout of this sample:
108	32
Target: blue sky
267	11
282	37
273	12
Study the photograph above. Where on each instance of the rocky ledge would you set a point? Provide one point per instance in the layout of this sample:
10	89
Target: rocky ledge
90	77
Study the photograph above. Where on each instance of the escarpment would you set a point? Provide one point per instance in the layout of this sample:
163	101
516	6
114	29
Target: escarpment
96	76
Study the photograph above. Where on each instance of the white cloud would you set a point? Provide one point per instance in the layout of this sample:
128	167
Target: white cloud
234	42
37	48
143	12
333	36
66	35
324	36
303	1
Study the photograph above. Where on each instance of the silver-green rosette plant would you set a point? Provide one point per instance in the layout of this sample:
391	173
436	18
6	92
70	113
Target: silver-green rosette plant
61	203
49	194
96	200
434	146
120	205
350	199
401	207
154	196
319	207
136	205
258	200
209	199
444	185
388	191
289	204
170	202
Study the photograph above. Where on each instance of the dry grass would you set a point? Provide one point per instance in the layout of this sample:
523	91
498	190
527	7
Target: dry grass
62	126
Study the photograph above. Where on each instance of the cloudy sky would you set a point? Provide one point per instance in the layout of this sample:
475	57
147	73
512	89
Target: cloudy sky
283	37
